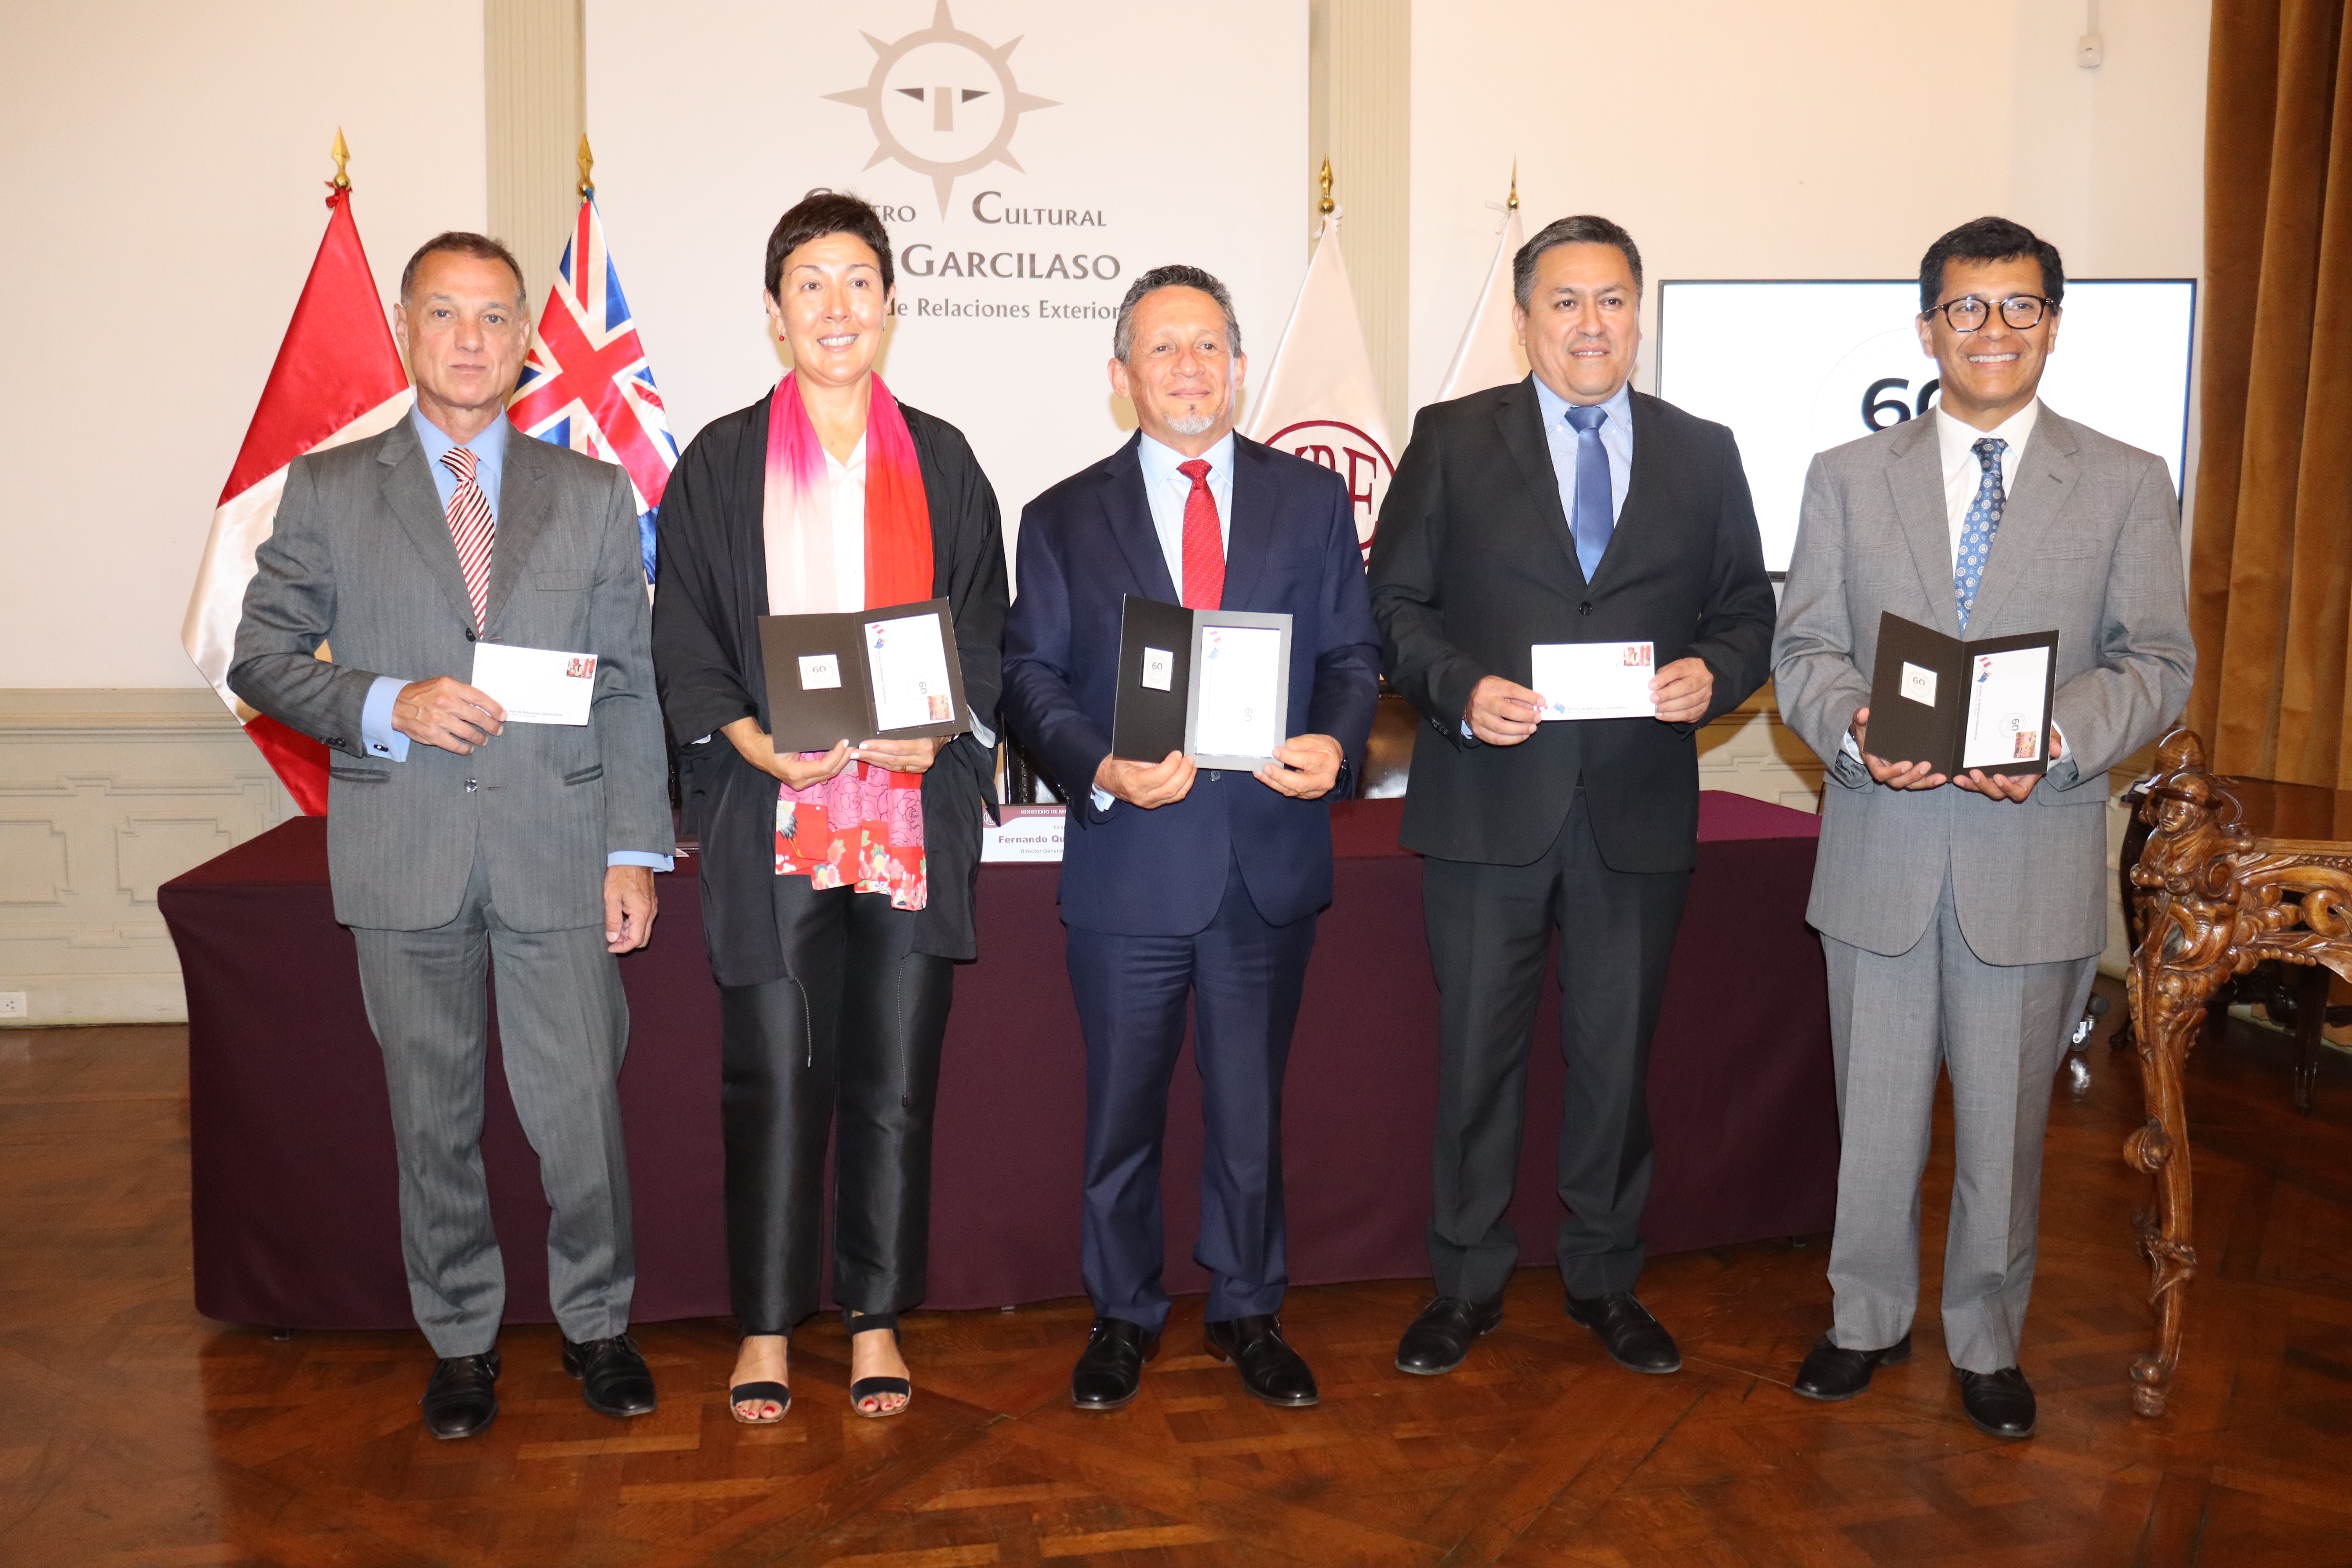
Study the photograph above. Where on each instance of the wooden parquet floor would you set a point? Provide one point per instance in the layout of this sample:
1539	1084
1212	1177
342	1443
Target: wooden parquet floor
133	1432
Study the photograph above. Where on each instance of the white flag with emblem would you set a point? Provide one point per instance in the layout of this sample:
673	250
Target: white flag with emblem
1320	399
1489	354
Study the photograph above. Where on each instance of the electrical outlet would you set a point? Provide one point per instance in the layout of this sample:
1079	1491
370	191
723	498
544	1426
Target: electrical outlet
12	1004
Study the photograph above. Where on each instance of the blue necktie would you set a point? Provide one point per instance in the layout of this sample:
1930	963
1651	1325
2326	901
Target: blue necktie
1595	516
1976	533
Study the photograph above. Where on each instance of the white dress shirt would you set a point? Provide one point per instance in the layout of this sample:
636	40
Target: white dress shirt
1167	491
1955	441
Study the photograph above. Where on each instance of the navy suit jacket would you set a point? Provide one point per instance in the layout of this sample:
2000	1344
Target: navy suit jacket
1291	547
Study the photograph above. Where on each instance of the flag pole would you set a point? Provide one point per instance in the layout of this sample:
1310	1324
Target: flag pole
587	163
342	153
1328	206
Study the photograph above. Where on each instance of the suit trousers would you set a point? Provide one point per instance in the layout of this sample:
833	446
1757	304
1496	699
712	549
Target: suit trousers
563	1025
1999	1030
1490	931
1244	978
846	1045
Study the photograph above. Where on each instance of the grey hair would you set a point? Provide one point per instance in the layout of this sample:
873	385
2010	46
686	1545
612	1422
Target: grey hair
1176	274
1582	230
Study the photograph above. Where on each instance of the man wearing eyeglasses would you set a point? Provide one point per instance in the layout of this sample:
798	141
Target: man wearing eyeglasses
1962	917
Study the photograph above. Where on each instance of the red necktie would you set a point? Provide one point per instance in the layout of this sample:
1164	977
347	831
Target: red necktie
469	526
1204	549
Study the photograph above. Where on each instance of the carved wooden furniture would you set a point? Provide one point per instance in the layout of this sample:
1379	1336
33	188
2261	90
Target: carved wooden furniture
2234	872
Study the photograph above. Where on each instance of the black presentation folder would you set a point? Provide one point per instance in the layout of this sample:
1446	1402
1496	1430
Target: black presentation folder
1928	696
803	653
1158	707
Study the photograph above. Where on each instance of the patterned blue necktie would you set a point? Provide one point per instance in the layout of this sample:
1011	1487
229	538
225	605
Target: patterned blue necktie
1595	516
1976	533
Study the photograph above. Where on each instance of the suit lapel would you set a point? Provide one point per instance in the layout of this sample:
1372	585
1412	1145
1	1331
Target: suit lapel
1915	476
2043	478
409	492
525	507
1520	417
1249	533
1129	514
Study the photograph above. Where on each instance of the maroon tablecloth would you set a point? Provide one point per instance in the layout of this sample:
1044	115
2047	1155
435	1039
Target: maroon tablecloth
290	1140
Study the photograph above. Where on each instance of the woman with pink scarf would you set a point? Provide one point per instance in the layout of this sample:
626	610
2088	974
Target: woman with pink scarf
836	886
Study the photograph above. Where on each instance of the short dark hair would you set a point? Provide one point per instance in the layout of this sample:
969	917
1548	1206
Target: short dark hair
824	212
461	242
1989	240
1175	274
1584	228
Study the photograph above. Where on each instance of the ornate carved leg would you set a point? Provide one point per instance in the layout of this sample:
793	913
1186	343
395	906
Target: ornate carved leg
2310	1018
2167	1010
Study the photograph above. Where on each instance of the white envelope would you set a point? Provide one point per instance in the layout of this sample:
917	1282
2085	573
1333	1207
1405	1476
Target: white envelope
536	685
1594	679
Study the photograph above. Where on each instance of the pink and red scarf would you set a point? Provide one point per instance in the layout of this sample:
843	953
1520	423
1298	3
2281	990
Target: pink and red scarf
864	826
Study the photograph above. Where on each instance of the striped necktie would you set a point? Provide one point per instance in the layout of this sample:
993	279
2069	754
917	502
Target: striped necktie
470	527
1203	587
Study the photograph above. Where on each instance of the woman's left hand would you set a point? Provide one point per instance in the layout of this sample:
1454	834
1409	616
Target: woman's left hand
900	757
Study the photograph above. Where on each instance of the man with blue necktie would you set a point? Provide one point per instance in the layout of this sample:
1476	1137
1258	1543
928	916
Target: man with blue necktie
1963	919
1563	509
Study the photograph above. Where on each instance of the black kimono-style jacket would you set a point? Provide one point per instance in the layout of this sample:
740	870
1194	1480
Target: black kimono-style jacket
713	588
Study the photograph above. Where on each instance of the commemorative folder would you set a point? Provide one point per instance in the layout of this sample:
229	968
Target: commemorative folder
1958	705
1214	684
863	675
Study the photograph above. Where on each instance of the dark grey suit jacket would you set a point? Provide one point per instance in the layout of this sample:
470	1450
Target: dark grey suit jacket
360	559
2089	545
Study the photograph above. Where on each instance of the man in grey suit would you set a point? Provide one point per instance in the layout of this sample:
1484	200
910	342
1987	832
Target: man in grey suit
1962	918
458	843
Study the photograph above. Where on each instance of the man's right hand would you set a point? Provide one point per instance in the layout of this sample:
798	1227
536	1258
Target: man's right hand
1502	712
446	712
1146	785
1894	776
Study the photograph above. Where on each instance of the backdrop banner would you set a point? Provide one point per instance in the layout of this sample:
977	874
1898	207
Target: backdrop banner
1031	158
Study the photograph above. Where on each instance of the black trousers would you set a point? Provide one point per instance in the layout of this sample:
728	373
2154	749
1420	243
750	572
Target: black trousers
847	1045
1489	932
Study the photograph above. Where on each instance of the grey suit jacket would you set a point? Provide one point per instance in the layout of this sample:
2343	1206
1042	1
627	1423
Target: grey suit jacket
360	558
2089	544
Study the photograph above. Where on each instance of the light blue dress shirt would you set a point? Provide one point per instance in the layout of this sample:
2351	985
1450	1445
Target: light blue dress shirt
489	449
1616	439
1167	491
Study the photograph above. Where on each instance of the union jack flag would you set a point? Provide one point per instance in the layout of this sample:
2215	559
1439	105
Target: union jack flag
585	384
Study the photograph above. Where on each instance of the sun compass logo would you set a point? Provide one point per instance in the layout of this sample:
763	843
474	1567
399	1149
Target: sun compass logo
942	103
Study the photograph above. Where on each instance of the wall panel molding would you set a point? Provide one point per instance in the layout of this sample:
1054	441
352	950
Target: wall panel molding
103	796
534	58
1360	115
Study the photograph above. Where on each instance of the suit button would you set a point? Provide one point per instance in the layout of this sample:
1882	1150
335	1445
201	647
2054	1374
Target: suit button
471	784
1585	608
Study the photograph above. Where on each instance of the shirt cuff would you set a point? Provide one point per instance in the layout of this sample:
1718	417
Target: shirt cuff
980	731
376	732
641	858
1850	747
1101	797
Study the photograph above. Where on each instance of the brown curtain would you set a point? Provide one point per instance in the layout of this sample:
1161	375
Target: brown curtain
2271	568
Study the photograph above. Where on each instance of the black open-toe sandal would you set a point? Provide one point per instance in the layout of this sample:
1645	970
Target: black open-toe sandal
866	1388
747	1392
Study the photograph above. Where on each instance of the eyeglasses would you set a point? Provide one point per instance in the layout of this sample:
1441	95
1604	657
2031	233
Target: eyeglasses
1967	313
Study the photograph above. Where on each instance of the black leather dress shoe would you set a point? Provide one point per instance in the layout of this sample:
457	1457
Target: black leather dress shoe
462	1396
1272	1372
1110	1369
1439	1338
1633	1338
1832	1373
1999	1403
614	1378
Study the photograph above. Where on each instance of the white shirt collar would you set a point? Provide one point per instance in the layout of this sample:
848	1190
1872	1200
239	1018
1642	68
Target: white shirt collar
1956	439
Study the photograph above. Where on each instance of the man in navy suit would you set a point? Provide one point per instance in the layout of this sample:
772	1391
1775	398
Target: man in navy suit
1176	879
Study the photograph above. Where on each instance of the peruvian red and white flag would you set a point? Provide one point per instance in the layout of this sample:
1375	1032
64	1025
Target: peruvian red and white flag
1320	400
585	384
338	378
1489	354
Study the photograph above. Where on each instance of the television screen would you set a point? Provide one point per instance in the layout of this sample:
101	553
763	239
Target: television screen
1725	351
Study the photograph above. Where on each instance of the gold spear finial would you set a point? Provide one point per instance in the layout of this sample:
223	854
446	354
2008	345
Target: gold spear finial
1329	204
587	162
1514	204
342	155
